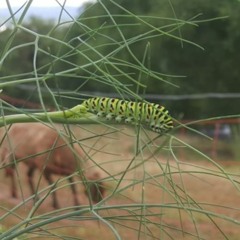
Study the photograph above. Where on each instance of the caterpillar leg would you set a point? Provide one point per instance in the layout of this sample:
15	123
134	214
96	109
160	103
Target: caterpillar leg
119	118
129	120
101	114
159	129
110	116
152	125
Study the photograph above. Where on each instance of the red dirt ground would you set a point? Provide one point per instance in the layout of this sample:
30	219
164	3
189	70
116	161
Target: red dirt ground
159	198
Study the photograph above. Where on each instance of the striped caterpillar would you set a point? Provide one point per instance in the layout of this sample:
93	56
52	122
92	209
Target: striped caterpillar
153	115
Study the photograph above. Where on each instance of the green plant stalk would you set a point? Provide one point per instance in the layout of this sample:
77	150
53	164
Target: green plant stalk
16	231
77	114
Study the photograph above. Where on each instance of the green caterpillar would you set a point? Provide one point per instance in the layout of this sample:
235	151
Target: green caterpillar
153	115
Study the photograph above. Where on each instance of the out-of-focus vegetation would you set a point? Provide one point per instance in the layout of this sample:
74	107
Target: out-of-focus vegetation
196	39
157	186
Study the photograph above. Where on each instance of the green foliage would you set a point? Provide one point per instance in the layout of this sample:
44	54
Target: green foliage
143	46
3	229
27	51
214	69
129	48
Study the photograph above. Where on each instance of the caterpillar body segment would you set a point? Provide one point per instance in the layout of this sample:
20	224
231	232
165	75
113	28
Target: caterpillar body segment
153	115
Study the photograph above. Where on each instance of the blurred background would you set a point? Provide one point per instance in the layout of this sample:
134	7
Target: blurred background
196	53
202	61
181	54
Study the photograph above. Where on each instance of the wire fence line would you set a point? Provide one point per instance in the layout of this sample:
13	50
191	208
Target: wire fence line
168	97
177	97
